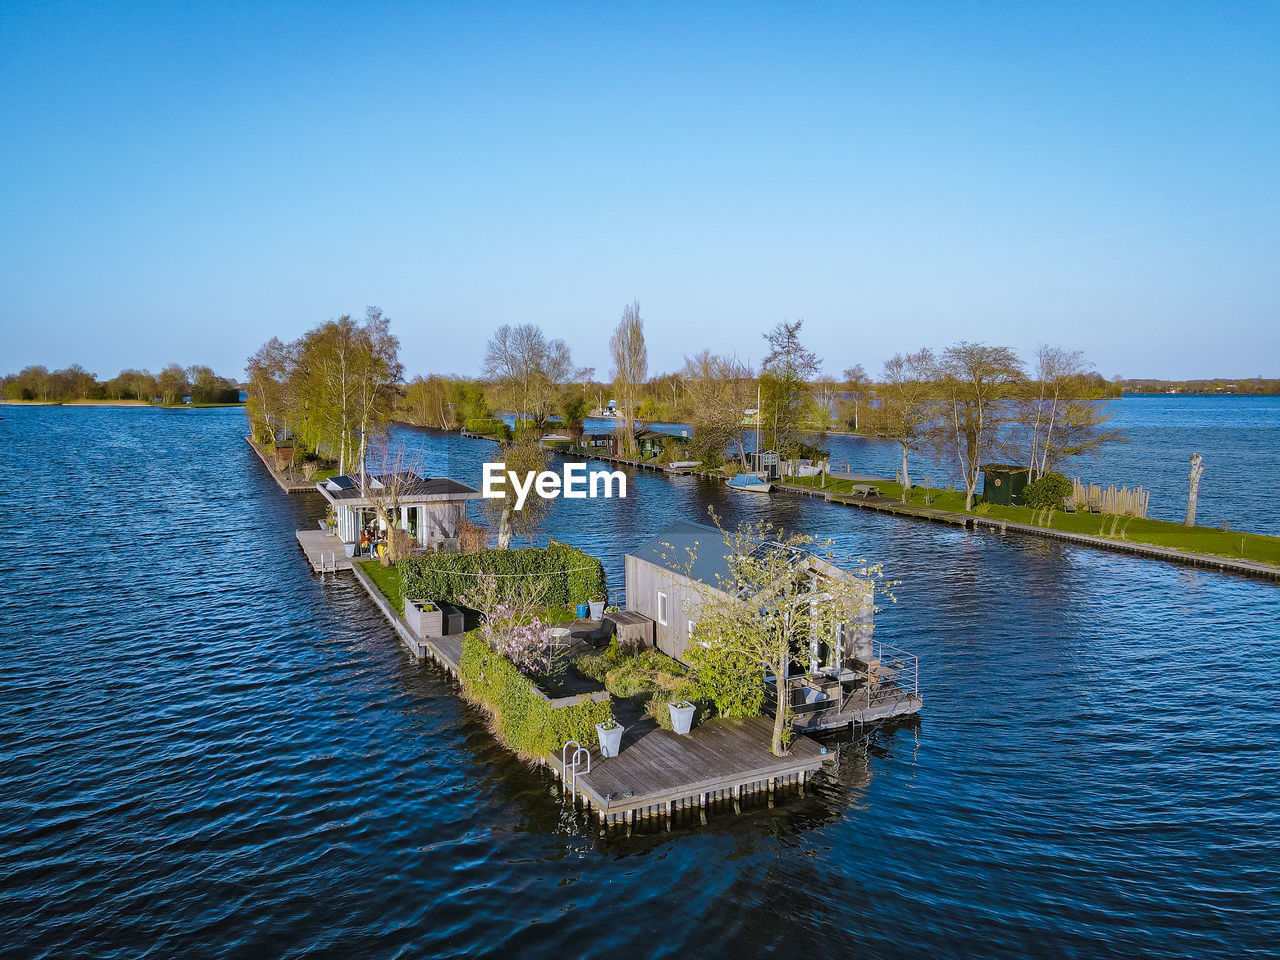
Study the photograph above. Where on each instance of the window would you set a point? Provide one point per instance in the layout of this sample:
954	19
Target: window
662	608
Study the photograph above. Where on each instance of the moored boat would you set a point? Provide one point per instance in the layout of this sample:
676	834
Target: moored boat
750	483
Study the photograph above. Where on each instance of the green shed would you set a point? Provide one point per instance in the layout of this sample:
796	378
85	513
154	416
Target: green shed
1002	482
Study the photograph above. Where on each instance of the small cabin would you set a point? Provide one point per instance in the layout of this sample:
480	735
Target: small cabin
849	677
429	509
1002	483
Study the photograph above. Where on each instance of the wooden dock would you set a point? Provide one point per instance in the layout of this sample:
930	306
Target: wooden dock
658	774
325	552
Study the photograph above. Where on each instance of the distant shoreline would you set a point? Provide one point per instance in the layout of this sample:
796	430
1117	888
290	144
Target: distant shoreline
115	403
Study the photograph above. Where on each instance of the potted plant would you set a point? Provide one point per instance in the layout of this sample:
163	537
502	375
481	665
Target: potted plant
610	734
681	716
597	605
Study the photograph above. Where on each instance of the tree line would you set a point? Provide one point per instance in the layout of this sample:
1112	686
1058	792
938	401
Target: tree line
170	385
963	406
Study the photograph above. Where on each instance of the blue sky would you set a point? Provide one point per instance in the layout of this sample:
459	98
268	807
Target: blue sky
178	183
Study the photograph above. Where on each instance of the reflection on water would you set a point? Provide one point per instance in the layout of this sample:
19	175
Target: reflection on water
206	749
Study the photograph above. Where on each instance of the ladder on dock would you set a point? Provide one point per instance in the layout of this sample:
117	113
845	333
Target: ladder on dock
571	768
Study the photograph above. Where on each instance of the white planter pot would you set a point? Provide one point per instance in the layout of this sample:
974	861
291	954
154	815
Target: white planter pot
681	717
597	609
610	739
350	548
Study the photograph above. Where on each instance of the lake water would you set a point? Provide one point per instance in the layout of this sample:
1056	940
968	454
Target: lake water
207	750
1238	436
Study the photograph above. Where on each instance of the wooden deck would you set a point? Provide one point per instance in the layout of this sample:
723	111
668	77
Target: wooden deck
658	773
324	551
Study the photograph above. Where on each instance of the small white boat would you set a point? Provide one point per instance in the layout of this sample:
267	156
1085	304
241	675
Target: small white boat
749	483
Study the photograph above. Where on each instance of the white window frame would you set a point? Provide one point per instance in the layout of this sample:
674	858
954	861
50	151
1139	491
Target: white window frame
662	608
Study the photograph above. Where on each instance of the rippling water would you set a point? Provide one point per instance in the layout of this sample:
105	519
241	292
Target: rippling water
1238	436
205	749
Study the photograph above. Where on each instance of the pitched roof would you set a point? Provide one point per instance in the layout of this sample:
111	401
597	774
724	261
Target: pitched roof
671	549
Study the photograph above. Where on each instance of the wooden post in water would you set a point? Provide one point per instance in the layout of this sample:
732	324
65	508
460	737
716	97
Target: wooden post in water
1197	469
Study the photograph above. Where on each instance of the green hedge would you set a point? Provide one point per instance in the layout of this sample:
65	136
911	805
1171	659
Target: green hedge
523	720
571	576
488	426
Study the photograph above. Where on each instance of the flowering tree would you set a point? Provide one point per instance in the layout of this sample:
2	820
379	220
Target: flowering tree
511	627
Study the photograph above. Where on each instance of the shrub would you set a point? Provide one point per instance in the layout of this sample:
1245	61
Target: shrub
647	672
596	666
566	574
1049	491
522	717
657	708
733	682
488	426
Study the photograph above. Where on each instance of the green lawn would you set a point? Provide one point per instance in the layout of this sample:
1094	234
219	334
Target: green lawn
1162	533
387	580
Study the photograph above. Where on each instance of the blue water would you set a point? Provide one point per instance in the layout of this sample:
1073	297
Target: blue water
207	750
1238	437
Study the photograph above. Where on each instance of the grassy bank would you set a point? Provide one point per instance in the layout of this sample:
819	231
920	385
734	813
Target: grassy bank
1160	533
387	580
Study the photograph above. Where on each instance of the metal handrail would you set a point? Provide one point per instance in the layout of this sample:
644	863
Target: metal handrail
579	751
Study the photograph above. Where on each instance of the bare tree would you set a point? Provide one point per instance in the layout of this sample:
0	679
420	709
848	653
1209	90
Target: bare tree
785	374
630	368
1061	409
399	469
718	392
907	404
975	382
856	382
376	371
528	369
1193	494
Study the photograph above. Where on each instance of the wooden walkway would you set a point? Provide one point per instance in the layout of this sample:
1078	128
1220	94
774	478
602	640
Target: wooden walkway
657	773
324	551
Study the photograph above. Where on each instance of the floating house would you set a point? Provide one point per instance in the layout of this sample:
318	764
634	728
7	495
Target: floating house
428	508
849	677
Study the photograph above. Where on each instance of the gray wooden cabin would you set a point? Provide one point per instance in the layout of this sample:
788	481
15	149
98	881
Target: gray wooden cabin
850	677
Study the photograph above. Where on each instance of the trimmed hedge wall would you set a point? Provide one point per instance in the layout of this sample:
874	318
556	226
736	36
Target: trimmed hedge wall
525	721
571	576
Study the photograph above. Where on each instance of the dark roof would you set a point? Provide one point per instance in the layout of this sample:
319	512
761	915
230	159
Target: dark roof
413	486
670	549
